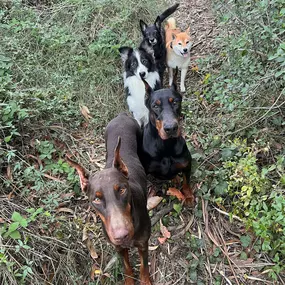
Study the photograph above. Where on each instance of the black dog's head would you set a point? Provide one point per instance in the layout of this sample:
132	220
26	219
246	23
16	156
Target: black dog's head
165	110
152	33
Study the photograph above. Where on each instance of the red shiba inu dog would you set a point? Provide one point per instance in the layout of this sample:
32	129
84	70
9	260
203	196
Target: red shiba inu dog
178	46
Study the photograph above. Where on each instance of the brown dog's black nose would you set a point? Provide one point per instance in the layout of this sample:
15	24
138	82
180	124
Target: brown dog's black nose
142	74
170	129
120	234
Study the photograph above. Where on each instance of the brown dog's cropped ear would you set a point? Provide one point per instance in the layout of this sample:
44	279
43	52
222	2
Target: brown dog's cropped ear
118	162
83	176
143	26
174	82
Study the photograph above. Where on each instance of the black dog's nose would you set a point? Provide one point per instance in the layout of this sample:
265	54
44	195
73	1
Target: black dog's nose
170	129
142	74
151	40
185	49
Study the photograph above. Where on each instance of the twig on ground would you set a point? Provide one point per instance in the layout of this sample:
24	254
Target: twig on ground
161	214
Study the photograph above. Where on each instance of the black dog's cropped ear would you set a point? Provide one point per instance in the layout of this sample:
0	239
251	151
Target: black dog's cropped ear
83	175
118	162
124	52
143	26
174	82
148	89
158	23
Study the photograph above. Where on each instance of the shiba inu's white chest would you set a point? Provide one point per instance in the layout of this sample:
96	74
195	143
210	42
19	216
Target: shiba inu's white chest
174	60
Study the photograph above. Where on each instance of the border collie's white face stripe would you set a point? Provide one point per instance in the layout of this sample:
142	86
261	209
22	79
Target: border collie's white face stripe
140	68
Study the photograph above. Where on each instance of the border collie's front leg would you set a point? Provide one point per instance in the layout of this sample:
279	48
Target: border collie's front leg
186	189
170	74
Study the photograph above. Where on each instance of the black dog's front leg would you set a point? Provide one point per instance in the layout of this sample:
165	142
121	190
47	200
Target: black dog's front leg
186	189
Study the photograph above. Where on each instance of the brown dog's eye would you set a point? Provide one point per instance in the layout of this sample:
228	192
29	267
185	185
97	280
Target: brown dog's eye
122	191
97	200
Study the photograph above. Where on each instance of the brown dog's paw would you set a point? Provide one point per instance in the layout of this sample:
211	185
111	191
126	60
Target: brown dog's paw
189	196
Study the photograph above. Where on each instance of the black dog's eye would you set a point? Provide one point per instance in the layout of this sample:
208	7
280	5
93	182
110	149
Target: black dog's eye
122	191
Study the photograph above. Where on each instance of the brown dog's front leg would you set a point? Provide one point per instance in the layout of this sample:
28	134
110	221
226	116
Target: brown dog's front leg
186	189
124	252
144	270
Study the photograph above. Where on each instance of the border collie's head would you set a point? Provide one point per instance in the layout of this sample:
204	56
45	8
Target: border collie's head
152	33
137	62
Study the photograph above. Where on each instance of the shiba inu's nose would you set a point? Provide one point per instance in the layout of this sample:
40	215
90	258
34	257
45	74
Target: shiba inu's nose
142	74
185	49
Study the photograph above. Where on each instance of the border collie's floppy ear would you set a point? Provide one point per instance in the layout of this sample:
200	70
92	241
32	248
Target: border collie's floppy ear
174	82
157	22
118	162
125	51
83	176
143	26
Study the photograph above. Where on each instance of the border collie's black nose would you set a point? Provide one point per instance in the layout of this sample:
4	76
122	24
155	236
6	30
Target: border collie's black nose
185	49
142	74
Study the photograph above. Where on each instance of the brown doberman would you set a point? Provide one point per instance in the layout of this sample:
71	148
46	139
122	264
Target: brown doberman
118	194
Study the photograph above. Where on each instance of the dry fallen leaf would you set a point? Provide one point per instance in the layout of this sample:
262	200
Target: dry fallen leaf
152	202
85	112
162	240
154	247
165	232
175	192
65	210
91	248
95	271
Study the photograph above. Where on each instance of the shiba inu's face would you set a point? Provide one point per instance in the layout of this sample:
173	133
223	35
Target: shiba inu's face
137	62
181	43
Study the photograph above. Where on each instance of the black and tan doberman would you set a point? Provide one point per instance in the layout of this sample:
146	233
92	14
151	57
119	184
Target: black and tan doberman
118	194
164	150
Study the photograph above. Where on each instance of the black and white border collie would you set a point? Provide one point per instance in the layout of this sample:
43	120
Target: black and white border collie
154	39
138	64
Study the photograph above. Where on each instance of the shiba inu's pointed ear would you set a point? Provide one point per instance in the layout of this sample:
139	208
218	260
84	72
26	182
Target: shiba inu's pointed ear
174	82
187	31
83	175
143	26
125	51
118	162
173	37
158	23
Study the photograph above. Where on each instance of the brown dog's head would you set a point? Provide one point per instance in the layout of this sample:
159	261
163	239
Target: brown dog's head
109	193
165	109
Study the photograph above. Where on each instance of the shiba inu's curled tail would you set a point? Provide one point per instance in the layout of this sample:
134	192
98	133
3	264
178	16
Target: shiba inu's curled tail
168	12
170	24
